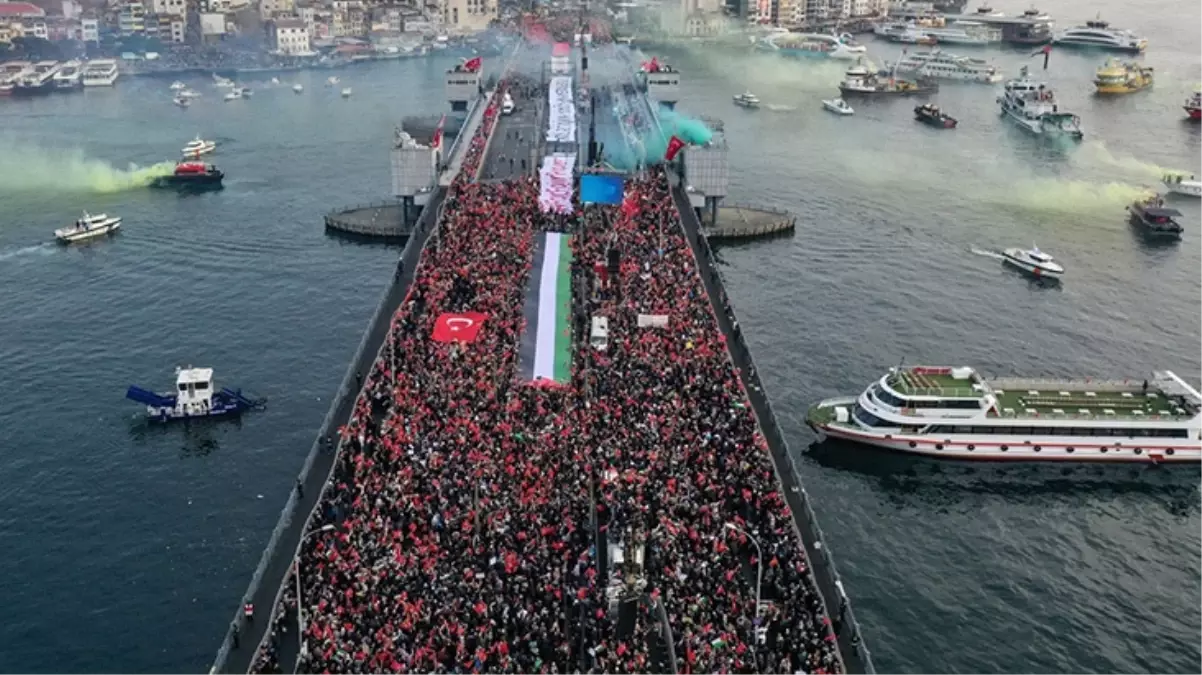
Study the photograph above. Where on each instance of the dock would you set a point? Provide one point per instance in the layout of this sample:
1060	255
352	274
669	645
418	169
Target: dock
379	220
742	221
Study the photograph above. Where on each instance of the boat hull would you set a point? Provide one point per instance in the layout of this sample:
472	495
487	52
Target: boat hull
1033	270
920	90
200	181
1185	188
1120	49
76	236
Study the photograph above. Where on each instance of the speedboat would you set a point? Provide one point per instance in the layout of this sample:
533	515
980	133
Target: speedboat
182	101
1178	184
88	227
298	88
234	95
177	85
197	147
838	106
747	100
346	92
931	115
1155	220
1118	77
1100	35
1034	262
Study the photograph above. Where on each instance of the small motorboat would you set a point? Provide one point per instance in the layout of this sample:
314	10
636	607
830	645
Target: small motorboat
346	92
1178	184
177	86
191	175
182	101
331	81
194	397
747	100
1155	220
187	93
234	95
838	106
275	80
1034	262
931	115
197	147
88	227
245	92
221	82
298	88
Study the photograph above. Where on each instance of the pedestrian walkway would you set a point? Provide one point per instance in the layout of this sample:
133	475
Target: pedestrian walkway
467	132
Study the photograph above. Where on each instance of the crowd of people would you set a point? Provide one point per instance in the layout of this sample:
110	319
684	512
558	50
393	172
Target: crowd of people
460	531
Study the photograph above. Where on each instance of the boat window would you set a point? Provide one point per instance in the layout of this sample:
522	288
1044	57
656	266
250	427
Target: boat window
891	399
202	385
183	387
868	419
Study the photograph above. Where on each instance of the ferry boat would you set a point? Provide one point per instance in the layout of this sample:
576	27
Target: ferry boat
195	397
956	413
1122	77
747	100
838	106
1100	35
10	72
967	33
197	147
69	76
100	73
1034	262
1154	219
940	65
931	115
88	227
840	47
1193	106
191	175
859	80
1032	105
1179	184
39	80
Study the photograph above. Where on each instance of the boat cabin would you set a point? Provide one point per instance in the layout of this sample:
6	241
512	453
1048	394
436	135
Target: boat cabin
194	386
1160	216
1039	256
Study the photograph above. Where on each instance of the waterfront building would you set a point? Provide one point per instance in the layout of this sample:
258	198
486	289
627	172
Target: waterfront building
269	9
131	19
467	16
290	36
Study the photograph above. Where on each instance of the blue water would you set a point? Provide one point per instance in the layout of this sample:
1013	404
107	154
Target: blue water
127	548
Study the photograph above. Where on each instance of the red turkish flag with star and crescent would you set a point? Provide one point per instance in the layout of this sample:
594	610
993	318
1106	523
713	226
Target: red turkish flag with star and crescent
458	327
674	146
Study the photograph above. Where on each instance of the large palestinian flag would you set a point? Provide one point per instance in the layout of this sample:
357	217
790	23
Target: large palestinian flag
546	350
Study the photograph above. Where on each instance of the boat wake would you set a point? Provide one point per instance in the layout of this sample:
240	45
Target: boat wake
27	168
42	248
776	107
988	254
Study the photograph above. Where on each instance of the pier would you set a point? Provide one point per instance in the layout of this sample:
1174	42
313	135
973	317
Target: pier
388	220
743	221
454	491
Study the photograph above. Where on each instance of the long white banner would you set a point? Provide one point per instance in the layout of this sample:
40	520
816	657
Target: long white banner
561	111
555	184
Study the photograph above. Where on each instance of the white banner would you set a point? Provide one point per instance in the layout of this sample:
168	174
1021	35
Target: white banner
555	184
653	321
561	111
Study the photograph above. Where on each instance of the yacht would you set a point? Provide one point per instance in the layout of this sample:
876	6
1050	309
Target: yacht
69	76
838	106
1034	262
1032	105
1180	184
940	65
840	47
747	100
88	227
197	147
957	413
100	73
1118	77
1099	34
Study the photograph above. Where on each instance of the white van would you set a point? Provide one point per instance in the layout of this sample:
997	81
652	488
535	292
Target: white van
507	106
599	338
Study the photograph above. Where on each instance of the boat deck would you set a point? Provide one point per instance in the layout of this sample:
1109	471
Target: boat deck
1054	403
913	383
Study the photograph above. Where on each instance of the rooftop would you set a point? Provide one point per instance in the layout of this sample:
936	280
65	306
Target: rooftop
20	9
1088	405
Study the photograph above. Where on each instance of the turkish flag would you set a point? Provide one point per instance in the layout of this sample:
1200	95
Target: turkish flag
437	142
458	327
473	64
630	205
674	146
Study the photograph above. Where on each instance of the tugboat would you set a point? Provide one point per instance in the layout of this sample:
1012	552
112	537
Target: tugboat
1193	106
1119	77
1178	184
1154	220
194	398
191	175
88	227
1034	262
931	115
747	100
860	81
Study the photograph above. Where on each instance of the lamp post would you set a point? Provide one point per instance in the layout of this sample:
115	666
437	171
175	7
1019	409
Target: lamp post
759	577
300	611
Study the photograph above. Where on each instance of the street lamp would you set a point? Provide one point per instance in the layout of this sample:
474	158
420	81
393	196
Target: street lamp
300	610
759	563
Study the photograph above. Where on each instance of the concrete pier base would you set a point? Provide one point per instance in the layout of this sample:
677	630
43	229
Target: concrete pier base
391	220
740	221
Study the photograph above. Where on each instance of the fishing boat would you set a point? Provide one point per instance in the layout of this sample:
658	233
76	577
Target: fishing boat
197	147
930	115
1033	106
1154	219
1122	77
860	81
1034	262
747	100
838	106
957	413
1179	184
194	397
88	227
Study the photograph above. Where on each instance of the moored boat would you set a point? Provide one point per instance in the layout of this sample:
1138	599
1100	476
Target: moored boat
860	81
195	397
88	227
1154	219
69	76
1033	106
838	106
1122	77
191	174
100	73
38	80
931	115
1179	184
1034	262
956	413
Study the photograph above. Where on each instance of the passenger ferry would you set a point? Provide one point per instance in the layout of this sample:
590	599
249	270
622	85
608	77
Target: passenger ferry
39	80
1032	105
957	413
969	33
842	47
1099	34
1118	77
940	65
11	72
100	73
70	76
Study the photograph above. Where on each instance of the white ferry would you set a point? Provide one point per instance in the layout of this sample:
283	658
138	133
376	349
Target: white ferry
100	73
1033	106
69	76
956	413
88	227
10	73
940	65
841	47
1099	34
969	33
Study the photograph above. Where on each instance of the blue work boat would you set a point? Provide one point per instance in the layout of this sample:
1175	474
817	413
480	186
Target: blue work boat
194	397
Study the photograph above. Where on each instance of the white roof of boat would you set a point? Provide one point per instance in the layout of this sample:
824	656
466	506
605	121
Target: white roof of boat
194	375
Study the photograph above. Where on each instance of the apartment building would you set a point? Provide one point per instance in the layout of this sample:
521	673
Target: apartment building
467	16
290	36
269	9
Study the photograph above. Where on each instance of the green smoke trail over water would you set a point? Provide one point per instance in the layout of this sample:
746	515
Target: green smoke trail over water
28	168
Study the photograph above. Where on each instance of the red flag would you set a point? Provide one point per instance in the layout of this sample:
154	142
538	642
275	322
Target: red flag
458	327
437	142
630	205
674	146
473	64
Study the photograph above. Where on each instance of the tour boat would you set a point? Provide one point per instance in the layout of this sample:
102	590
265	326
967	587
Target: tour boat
838	106
931	115
100	73
195	397
956	413
1154	219
1032	105
1193	106
747	100
197	147
858	80
1119	77
1034	262
1178	184
88	227
1100	35
938	64
191	174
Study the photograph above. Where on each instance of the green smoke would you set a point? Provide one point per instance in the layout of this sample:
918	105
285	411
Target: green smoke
28	168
